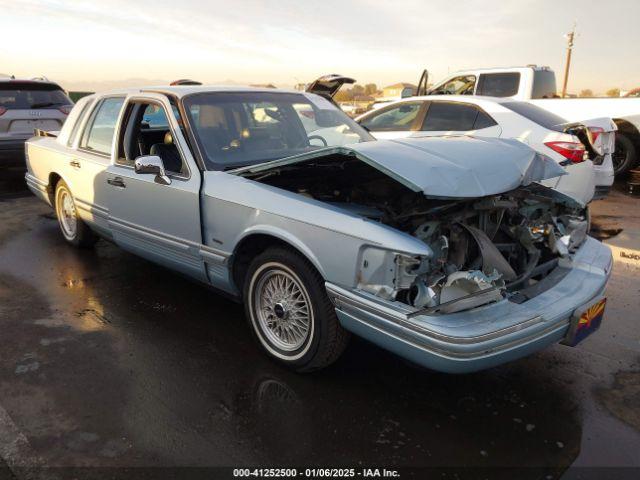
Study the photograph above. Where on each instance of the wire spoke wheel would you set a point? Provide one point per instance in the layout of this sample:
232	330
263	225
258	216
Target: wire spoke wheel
282	308
289	312
66	212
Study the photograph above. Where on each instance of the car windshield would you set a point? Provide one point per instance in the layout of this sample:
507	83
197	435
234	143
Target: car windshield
236	129
27	95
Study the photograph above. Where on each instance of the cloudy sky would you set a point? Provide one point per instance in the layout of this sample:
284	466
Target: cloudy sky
94	44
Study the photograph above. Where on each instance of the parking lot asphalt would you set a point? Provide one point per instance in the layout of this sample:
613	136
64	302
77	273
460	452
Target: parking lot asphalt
107	360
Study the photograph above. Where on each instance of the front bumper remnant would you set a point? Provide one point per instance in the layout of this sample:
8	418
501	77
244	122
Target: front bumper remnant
483	337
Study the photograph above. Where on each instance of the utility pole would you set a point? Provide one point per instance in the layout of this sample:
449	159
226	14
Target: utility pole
570	37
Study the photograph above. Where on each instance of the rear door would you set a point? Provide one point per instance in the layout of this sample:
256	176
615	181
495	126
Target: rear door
399	120
91	140
455	118
156	221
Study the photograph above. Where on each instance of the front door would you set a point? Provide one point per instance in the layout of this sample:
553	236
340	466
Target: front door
156	221
399	120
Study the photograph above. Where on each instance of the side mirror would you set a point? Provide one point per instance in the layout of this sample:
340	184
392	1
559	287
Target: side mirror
152	164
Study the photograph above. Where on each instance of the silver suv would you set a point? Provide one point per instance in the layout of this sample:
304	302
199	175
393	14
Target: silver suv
24	106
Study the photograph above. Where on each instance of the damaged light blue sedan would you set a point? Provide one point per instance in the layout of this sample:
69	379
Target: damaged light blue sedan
443	250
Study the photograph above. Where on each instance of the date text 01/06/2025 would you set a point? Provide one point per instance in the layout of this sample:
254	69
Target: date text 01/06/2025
315	473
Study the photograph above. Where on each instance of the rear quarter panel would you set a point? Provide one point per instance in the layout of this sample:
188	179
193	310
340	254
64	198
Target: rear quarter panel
46	156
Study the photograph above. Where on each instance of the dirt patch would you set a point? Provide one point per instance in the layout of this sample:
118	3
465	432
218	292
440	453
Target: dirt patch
623	398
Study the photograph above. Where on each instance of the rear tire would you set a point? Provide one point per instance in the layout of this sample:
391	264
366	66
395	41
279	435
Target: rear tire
73	229
289	312
624	156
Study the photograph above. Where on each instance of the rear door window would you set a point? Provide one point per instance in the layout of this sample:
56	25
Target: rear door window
79	120
98	135
397	118
498	84
448	116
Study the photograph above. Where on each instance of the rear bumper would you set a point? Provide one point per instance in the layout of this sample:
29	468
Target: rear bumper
604	177
486	336
601	192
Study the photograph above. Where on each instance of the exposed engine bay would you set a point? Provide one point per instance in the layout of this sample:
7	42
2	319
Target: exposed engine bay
482	249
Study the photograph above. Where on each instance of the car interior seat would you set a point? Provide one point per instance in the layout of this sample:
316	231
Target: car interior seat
169	154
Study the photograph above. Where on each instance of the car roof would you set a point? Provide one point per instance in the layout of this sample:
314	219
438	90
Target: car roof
184	90
5	80
514	68
460	98
474	99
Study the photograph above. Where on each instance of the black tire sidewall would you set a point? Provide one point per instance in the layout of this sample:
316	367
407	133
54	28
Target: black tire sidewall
630	154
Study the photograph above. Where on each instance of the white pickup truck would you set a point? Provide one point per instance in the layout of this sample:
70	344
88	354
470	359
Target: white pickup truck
538	85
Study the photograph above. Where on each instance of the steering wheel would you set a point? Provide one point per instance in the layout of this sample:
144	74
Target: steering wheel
318	137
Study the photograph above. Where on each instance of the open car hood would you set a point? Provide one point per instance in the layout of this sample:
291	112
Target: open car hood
445	167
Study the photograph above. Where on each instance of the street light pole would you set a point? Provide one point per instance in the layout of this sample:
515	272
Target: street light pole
570	37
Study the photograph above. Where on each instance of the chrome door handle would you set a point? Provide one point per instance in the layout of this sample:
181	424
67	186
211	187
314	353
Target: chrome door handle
74	164
116	182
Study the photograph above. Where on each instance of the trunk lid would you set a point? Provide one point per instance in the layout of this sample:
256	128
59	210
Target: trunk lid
597	135
328	85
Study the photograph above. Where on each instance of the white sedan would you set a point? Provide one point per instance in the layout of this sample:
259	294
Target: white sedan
584	149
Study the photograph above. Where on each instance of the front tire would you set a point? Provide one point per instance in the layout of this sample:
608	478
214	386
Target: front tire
290	313
73	229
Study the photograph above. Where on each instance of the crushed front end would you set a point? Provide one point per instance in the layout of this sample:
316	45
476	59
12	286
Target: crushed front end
482	250
506	263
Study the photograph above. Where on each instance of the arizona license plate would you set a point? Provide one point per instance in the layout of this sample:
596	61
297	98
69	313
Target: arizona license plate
584	321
